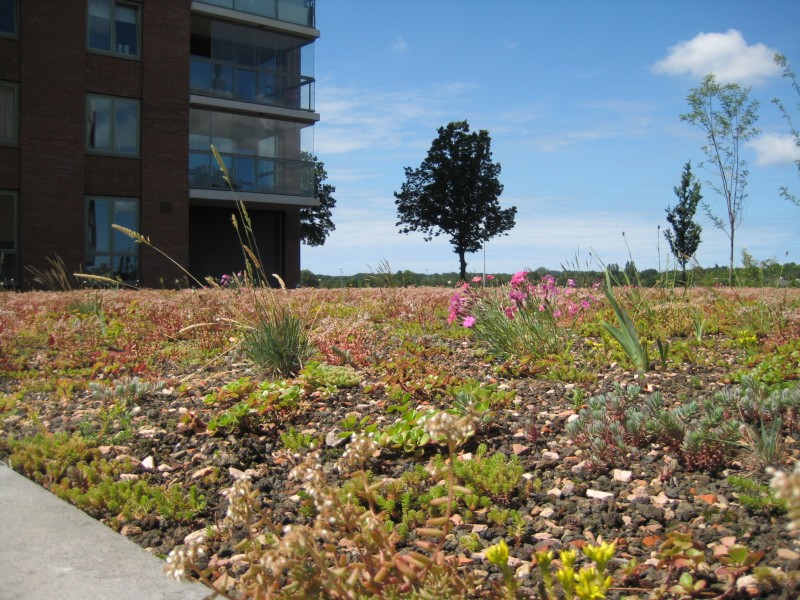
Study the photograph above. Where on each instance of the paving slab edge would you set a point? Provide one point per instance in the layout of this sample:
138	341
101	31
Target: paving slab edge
51	549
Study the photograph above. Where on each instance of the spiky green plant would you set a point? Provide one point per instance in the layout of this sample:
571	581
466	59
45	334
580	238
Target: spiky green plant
626	334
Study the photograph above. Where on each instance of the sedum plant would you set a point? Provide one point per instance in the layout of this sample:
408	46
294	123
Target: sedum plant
253	405
704	437
321	376
346	551
591	582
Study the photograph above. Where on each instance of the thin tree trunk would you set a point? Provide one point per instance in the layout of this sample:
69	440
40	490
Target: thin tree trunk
462	262
730	266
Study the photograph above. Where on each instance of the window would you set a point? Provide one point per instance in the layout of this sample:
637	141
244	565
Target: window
112	125
109	252
251	65
8	238
8	113
264	156
8	17
113	27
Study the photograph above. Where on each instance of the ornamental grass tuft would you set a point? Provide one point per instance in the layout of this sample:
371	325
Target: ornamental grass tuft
278	342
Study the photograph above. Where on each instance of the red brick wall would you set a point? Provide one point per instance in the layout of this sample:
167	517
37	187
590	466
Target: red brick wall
113	76
165	137
113	176
51	98
55	171
52	169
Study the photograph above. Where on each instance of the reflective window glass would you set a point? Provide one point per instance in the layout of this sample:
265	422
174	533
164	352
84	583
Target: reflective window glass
109	252
7	221
126	129
112	125
124	215
127	40
8	17
113	27
201	76
99	124
97	224
100	25
8	113
246	82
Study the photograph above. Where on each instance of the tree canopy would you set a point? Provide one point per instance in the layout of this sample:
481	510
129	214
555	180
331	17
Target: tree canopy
725	113
788	73
455	192
315	221
684	238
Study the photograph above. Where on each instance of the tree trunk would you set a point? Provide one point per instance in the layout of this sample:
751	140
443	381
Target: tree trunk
462	262
730	265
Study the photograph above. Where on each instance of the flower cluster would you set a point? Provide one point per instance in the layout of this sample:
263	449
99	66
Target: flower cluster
242	500
788	486
232	281
523	295
357	453
545	296
460	304
182	559
444	425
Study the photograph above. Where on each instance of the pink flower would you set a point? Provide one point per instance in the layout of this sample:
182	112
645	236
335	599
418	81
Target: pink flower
476	279
518	277
517	296
490	277
469	321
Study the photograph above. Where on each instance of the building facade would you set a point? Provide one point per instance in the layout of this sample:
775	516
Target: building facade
108	111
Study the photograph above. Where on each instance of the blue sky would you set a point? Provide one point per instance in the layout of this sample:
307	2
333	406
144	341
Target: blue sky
582	102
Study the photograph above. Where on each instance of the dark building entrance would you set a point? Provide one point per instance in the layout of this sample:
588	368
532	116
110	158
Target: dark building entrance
214	246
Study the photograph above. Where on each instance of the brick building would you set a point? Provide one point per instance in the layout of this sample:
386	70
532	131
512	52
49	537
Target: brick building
108	110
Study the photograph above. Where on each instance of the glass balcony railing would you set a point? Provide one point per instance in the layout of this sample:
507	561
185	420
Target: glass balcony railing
222	80
299	12
250	174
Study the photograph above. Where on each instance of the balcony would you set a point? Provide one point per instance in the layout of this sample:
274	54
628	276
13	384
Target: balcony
223	80
249	174
297	12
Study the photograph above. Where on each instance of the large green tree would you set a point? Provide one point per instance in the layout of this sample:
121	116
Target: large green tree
684	238
315	221
727	115
455	192
781	61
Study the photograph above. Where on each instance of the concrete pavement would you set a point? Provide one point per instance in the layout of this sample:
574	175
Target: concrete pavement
50	550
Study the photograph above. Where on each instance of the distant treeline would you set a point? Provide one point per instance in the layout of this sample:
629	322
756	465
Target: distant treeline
752	274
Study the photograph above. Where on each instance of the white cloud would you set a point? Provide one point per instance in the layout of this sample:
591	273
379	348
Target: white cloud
775	149
400	45
727	55
358	118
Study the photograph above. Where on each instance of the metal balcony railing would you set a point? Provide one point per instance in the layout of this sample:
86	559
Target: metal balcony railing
252	174
223	80
298	12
